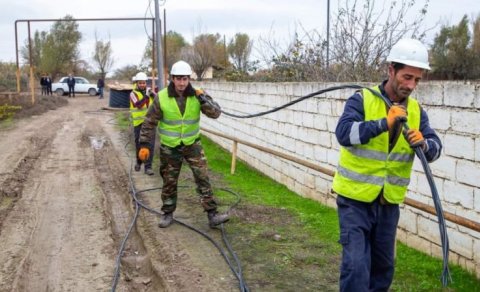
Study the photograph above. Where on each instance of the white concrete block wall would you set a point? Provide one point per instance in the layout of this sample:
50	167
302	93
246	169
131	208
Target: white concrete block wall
306	130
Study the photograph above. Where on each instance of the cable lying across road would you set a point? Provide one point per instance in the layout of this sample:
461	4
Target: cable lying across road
236	269
446	278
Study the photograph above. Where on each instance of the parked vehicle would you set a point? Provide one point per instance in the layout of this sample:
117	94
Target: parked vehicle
82	85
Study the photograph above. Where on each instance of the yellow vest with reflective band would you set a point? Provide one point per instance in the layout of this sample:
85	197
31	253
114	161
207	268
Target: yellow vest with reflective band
138	115
174	128
363	170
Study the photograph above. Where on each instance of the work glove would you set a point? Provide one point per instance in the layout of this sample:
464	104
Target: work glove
200	94
396	114
150	92
415	138
144	154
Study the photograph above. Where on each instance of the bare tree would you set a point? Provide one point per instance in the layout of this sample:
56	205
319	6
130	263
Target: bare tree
206	51
363	35
103	55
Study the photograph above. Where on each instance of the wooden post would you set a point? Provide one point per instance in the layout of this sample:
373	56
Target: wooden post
234	157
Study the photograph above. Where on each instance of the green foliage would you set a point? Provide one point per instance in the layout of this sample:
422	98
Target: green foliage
7	111
454	55
56	52
175	44
126	72
8	77
239	49
103	56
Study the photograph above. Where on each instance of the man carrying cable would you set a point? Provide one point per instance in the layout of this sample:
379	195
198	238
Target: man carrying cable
176	110
375	165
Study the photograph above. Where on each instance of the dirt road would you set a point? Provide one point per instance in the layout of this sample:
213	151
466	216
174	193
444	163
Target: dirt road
65	208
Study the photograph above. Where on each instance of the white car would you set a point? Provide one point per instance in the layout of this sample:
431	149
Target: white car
82	85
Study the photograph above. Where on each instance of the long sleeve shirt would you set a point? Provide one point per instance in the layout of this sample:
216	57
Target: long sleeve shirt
154	114
352	129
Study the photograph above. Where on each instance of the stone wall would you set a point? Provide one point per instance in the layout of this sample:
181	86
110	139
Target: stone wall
306	130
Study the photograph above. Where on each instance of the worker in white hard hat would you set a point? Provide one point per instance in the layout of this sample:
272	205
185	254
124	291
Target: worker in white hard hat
141	98
175	115
375	165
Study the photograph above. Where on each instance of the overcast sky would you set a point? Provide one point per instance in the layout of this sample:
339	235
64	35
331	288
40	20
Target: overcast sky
190	17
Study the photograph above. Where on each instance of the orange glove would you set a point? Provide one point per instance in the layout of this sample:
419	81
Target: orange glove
396	113
199	91
143	154
415	138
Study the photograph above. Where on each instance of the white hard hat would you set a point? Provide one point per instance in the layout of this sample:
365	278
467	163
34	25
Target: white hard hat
181	68
134	79
410	52
141	76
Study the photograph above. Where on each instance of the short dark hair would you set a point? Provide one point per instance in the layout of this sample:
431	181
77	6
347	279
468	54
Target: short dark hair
397	66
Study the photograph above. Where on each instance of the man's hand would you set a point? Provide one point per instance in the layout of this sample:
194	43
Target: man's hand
200	94
143	154
415	138
396	114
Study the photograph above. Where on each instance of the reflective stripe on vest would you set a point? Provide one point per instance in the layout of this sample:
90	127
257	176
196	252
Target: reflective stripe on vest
138	115
364	170
174	128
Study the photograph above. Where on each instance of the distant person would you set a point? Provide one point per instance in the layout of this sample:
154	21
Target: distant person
100	85
375	166
141	98
175	115
71	85
48	83
43	84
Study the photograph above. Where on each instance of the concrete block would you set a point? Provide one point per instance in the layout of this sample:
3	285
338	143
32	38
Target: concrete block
476	203
460	243
308	120
428	229
408	220
459	146
468	172
477	149
459	95
325	107
419	243
456	193
332	123
332	157
320	123
445	166
466	122
429	93
321	154
439	118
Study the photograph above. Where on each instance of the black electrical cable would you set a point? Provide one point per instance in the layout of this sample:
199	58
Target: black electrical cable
138	205
445	278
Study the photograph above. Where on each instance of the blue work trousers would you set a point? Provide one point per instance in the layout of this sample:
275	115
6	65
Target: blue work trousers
367	235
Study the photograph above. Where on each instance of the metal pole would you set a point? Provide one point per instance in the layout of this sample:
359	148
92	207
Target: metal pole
16	58
328	33
159	47
32	86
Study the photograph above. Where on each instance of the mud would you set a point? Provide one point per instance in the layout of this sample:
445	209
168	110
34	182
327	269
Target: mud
65	207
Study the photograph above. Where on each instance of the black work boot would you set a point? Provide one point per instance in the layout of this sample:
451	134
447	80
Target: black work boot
137	166
149	171
215	219
165	220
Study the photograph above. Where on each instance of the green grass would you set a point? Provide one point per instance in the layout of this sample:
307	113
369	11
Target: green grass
317	229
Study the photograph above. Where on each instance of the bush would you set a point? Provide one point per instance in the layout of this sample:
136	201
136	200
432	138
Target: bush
7	111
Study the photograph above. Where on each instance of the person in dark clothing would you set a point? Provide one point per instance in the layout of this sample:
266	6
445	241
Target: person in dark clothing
48	84
100	85
71	85
175	115
374	167
43	84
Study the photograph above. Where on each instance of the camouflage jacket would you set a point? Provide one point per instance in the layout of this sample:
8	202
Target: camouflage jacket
155	114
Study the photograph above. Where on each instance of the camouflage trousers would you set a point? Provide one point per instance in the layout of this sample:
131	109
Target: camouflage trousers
171	160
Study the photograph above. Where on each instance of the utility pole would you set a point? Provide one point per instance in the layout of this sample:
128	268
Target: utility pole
328	33
160	82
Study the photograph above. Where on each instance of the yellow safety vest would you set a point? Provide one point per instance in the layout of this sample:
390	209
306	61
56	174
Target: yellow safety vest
174	128
138	115
363	170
